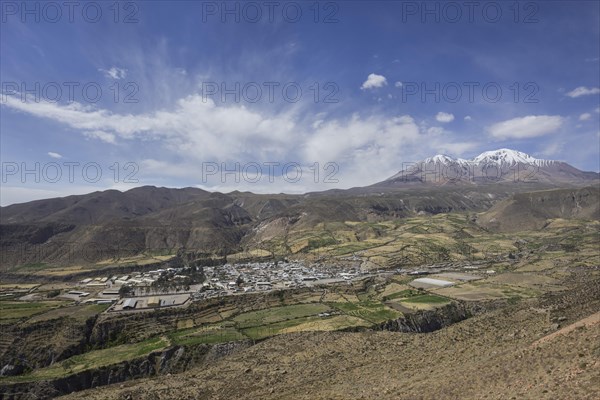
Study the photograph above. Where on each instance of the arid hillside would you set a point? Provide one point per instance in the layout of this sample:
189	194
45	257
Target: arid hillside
501	354
527	211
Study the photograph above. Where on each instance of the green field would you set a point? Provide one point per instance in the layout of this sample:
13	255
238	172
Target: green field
210	334
372	311
78	312
273	321
402	294
278	314
93	359
31	267
15	310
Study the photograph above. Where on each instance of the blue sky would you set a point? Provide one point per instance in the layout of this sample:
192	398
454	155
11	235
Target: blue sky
379	86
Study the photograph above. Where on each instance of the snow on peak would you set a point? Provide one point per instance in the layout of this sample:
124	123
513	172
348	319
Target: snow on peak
504	159
444	159
505	156
499	157
439	158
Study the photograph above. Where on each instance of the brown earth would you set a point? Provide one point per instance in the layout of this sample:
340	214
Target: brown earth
586	322
489	356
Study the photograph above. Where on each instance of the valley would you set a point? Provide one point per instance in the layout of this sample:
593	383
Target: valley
479	269
300	200
209	284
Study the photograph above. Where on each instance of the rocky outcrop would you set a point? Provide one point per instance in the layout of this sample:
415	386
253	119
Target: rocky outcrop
531	211
433	320
171	360
35	345
42	343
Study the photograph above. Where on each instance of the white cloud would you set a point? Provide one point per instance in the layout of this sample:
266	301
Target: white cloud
398	84
317	123
348	139
551	149
583	91
435	130
194	130
585	116
197	130
526	127
54	155
444	117
468	118
457	148
374	81
152	167
114	73
195	125
104	136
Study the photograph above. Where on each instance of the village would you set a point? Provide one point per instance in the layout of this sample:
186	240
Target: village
171	287
177	287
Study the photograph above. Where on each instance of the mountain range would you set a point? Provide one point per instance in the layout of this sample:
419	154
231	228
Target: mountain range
58	230
503	165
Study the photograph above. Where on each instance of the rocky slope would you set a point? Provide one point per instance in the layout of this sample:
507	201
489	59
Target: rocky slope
171	360
494	355
530	211
112	225
490	167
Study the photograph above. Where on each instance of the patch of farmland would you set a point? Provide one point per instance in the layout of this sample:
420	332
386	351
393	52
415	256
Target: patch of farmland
328	324
92	359
15	310
218	333
372	311
278	314
483	291
391	289
527	280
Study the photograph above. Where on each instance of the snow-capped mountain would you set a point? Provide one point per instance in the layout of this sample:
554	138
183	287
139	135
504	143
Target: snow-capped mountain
509	157
496	157
489	167
444	159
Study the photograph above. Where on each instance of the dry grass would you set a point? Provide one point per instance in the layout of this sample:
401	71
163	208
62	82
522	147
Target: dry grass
489	356
327	324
